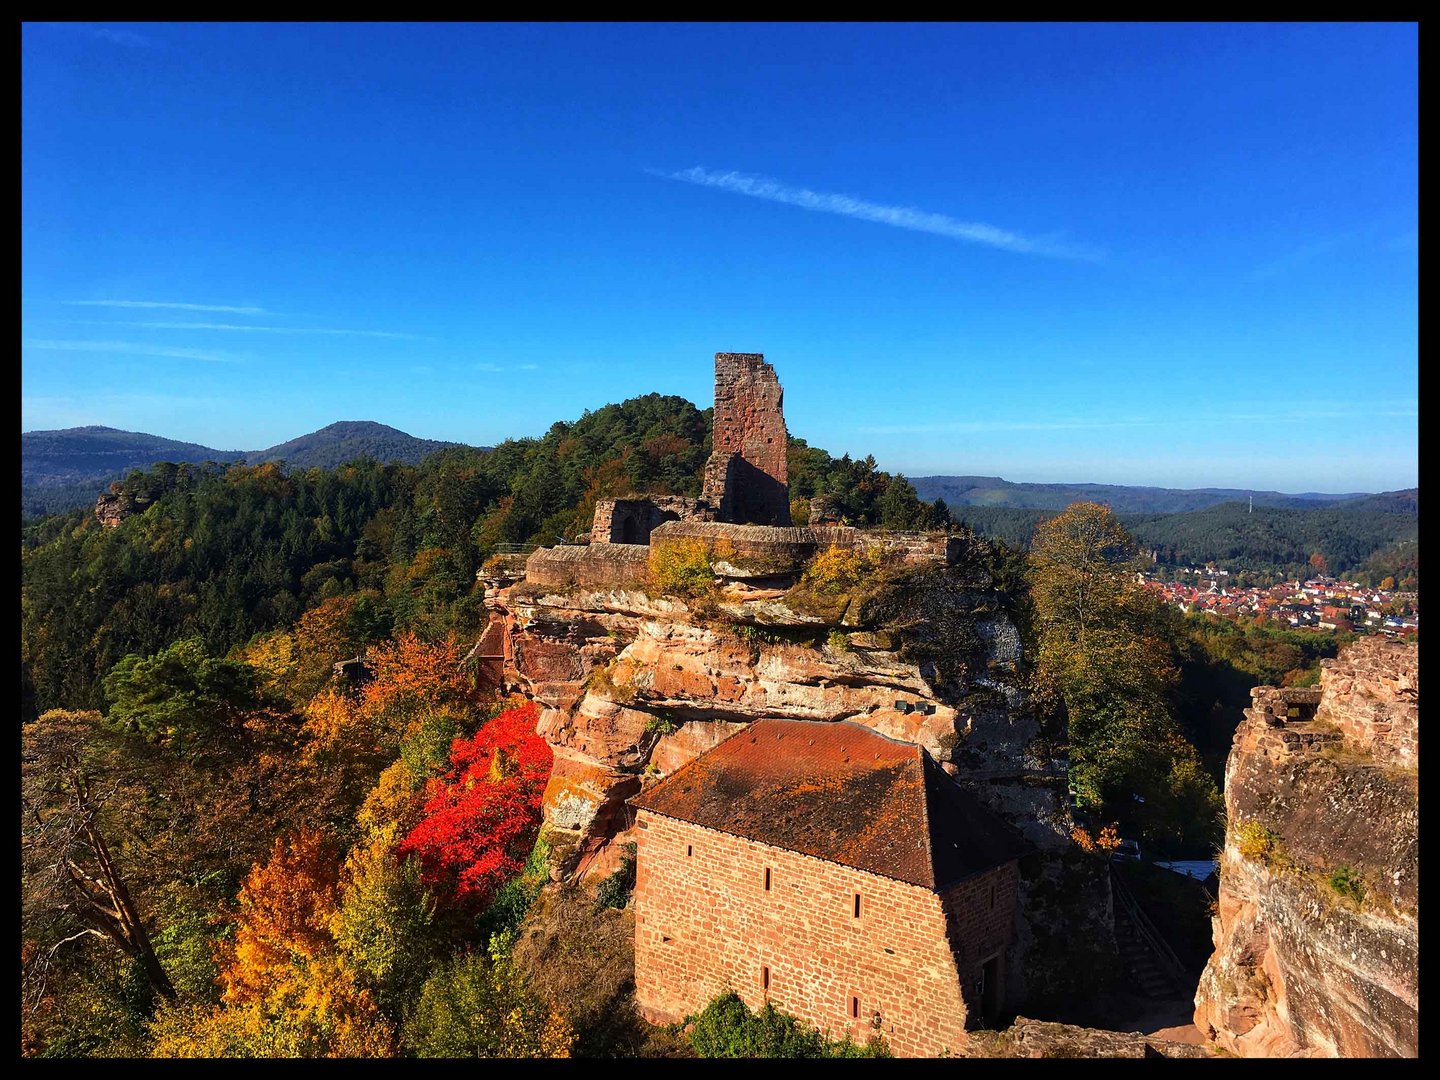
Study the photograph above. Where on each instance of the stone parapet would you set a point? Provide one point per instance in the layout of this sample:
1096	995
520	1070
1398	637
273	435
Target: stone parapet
1372	696
614	565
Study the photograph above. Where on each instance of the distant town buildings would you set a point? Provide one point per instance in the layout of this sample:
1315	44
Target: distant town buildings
1322	604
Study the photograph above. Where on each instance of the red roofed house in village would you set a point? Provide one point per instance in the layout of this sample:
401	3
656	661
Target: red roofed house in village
838	873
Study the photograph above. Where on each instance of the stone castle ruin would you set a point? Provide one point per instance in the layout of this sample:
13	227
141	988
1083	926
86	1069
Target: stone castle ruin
744	503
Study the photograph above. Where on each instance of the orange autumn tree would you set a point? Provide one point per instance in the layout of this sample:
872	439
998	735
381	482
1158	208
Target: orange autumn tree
288	991
410	680
481	817
285	909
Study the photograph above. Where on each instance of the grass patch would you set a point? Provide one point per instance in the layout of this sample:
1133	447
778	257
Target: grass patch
1260	844
603	683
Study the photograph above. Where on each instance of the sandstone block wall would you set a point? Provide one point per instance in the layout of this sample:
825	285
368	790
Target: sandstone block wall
1371	693
760	550
980	915
613	565
630	521
704	922
747	476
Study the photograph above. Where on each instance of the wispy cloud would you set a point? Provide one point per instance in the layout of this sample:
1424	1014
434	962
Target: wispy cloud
131	348
900	217
128	38
1299	257
272	329
225	308
500	369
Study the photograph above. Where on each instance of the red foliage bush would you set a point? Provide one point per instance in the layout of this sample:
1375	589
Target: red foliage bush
482	816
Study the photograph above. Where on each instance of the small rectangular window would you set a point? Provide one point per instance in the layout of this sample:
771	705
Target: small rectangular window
767	879
765	978
854	1007
857	905
689	850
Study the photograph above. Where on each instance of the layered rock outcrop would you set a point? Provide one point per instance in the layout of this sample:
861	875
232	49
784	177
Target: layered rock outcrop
633	685
1316	932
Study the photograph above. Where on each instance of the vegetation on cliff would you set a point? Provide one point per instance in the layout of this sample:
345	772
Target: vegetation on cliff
1107	660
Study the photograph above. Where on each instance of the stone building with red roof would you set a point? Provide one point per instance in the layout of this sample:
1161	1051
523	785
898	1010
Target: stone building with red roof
838	873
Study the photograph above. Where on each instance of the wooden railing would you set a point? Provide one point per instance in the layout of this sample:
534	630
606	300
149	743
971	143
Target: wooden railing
1148	933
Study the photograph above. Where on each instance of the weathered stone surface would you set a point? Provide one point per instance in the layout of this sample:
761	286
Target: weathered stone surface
747	476
1371	693
1027	1038
630	521
1300	968
614	565
111	509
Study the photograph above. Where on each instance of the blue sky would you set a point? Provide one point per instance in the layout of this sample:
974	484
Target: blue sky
1158	254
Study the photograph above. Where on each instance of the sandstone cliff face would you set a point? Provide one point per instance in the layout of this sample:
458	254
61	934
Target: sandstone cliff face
1315	935
634	686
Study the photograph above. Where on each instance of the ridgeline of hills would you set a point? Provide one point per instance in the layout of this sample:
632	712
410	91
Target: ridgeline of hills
65	469
1122	499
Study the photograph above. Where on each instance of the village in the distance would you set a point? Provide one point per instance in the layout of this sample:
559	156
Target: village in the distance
1323	604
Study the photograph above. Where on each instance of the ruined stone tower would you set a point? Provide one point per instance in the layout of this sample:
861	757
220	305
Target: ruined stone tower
746	478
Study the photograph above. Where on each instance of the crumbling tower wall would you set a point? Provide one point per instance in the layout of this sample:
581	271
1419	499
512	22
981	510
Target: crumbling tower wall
746	477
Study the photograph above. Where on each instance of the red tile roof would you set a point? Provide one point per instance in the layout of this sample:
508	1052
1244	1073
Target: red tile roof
841	792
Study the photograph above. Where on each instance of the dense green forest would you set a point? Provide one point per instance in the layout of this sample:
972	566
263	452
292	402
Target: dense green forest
1370	539
224	553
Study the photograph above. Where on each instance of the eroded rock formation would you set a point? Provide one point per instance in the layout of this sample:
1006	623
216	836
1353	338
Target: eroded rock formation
1315	935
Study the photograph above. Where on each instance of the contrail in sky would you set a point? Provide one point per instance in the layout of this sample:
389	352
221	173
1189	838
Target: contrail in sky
901	217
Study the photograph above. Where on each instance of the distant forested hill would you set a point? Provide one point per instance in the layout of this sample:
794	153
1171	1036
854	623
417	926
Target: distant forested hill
90	454
348	440
1376	534
62	470
993	491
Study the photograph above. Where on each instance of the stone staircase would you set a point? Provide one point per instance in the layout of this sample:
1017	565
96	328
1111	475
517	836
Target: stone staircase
1152	967
1143	969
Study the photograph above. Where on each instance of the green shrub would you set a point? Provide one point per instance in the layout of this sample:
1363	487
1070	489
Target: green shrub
726	1028
661	723
839	569
478	1006
614	891
1348	882
1260	844
513	900
838	641
426	751
681	567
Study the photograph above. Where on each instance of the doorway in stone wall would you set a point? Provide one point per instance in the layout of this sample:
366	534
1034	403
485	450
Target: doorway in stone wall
990	988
